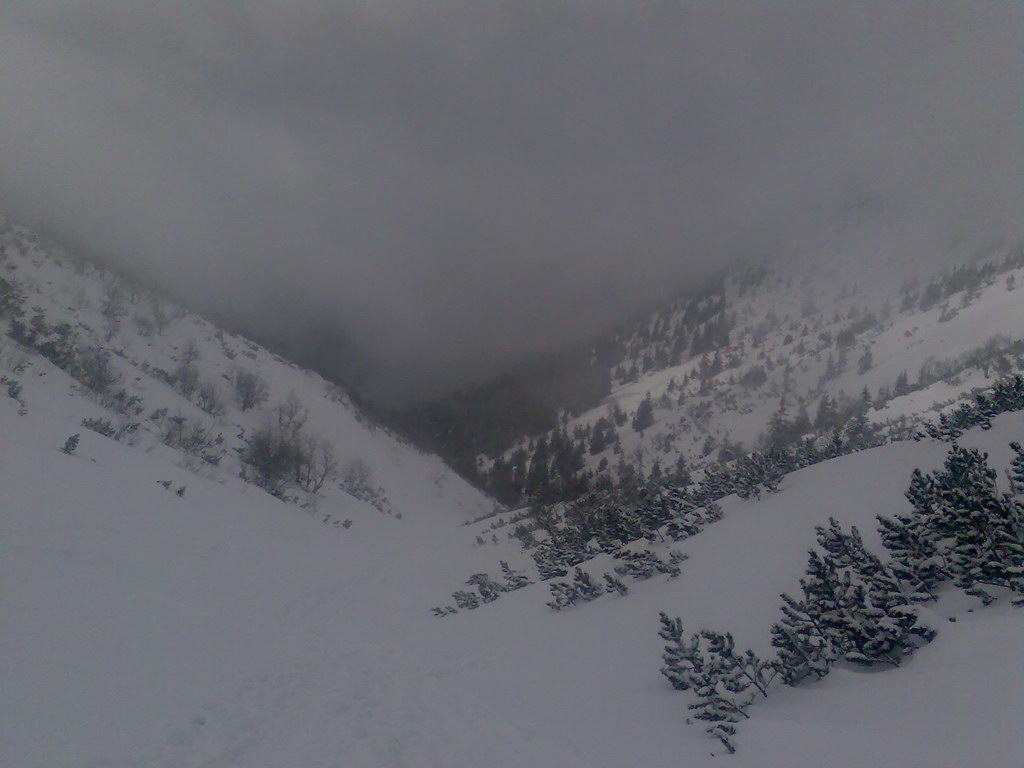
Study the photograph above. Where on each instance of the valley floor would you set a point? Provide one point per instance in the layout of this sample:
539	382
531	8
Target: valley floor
226	629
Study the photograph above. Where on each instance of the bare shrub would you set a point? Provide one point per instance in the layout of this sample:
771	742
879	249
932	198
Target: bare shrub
250	390
315	464
94	371
291	415
192	437
186	380
270	457
210	399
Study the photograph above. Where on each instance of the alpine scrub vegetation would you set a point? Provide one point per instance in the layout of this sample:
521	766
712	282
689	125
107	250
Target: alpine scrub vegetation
71	444
962	528
611	521
724	681
855	608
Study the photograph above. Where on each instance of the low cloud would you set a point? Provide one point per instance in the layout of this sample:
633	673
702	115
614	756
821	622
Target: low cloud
429	192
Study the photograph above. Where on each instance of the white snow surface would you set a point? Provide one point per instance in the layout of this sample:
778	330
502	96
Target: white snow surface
223	628
771	332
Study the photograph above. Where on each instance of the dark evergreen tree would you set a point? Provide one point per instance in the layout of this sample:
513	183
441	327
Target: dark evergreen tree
612	584
914	552
859	432
602	436
718	482
865	361
847	549
902	386
563	595
1016	470
466	600
644	416
686	518
759	472
489	589
644	564
804	647
826	417
831	598
513	579
883	623
985	529
678	655
724	682
586	587
538	477
549	561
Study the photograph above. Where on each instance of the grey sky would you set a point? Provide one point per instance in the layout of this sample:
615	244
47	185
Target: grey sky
456	186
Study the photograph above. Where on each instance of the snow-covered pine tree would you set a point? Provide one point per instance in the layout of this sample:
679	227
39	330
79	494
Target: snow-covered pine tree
982	528
549	561
586	588
675	560
829	597
718	482
563	595
921	493
466	600
890	613
620	525
489	589
513	579
846	549
724	681
761	472
1008	394
1016	470
644	564
684	525
836	619
688	518
677	657
725	685
804	647
612	584
914	554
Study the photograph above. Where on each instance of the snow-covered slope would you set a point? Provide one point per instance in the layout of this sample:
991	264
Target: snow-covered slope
220	627
167	375
145	629
772	343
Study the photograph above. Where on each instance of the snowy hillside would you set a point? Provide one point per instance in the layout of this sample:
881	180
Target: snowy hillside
151	375
160	611
146	629
781	351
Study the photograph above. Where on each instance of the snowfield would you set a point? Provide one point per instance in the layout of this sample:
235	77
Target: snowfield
156	611
224	628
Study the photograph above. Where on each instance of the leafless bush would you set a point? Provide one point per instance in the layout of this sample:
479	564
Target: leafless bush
291	415
191	437
94	371
280	454
315	464
189	352
250	390
355	475
186	380
270	457
210	399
